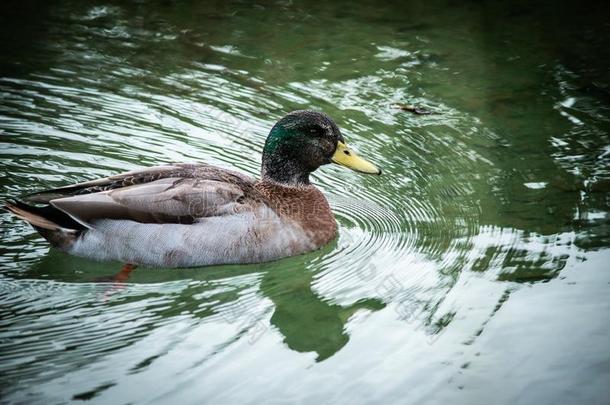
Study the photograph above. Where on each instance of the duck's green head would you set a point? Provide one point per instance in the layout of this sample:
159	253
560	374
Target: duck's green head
301	142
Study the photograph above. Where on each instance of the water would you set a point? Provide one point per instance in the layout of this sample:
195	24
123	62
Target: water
474	271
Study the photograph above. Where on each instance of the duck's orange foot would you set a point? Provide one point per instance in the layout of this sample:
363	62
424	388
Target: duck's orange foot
123	275
117	280
120	277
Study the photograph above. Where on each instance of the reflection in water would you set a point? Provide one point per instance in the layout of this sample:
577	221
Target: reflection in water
307	321
498	200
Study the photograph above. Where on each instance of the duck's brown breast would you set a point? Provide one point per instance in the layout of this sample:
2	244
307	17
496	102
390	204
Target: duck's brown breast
305	205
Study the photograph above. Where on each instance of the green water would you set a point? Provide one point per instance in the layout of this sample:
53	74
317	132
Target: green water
475	270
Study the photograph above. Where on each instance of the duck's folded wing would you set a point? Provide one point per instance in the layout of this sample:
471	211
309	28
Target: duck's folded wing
139	177
168	200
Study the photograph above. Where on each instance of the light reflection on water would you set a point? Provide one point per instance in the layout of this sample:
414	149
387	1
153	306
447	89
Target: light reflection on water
501	192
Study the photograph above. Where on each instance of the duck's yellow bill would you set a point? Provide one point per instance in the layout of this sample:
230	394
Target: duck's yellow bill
344	156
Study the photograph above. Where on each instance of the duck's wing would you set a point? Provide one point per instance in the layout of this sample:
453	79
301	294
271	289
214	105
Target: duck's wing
166	194
140	176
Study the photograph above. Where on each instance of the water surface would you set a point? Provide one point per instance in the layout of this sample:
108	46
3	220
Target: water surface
474	271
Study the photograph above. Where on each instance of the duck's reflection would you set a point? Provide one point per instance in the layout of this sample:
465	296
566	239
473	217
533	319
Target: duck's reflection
307	321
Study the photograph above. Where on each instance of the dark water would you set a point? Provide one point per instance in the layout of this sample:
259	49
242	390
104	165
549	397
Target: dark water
474	271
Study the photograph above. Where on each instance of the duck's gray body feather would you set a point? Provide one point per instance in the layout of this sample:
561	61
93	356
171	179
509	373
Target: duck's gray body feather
239	238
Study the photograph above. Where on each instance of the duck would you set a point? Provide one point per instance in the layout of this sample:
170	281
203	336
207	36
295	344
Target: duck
197	214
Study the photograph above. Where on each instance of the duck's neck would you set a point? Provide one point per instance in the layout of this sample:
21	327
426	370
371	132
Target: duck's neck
284	172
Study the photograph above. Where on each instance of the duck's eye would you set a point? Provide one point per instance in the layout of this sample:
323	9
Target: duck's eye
314	130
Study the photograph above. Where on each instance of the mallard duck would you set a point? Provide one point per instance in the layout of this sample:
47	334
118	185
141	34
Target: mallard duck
185	214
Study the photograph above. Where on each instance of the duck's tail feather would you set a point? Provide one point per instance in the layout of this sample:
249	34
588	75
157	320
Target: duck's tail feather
55	226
